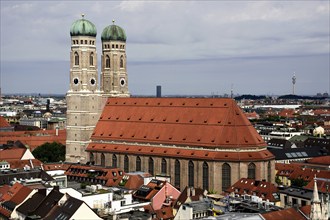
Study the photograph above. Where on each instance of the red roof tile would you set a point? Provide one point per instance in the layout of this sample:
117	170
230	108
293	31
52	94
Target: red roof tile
261	189
306	210
14	153
56	166
321	186
286	214
3	122
175	152
299	171
33	139
207	122
324	160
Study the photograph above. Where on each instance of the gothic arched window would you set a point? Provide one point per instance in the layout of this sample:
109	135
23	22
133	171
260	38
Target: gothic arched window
122	62
269	172
164	166
107	62
205	176
138	163
91	59
226	176
102	160
151	166
252	171
114	160
76	59
177	174
190	173
126	164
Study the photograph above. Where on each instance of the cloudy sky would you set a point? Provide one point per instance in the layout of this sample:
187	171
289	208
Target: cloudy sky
188	47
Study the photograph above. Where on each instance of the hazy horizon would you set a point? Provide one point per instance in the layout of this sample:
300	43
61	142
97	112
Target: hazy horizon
252	47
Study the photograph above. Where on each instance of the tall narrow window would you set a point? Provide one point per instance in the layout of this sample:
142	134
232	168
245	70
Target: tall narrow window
126	164
226	176
91	157
269	172
205	176
76	59
151	166
91	59
138	163
102	160
177	174
164	166
107	62
114	160
252	171
122	62
191	173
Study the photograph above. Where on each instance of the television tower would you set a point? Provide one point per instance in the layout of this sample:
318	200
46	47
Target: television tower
293	82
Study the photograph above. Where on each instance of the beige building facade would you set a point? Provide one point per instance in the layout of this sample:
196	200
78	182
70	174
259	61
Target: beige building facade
85	98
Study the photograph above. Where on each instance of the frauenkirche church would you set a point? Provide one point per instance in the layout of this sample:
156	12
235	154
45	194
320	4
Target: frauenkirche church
200	142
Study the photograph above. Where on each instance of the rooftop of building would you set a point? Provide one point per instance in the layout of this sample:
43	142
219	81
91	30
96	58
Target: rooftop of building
208	122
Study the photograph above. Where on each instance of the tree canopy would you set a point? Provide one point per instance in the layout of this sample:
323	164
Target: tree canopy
50	152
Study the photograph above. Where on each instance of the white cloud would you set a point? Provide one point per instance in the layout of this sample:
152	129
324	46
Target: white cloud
169	30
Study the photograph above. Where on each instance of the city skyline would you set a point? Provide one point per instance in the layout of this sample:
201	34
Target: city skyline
254	47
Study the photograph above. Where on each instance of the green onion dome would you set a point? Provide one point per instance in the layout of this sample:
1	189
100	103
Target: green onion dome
113	32
83	27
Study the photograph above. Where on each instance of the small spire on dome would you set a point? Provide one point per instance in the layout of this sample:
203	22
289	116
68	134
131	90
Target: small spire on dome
113	21
82	15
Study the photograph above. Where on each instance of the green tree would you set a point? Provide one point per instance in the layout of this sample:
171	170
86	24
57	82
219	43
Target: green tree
298	182
50	152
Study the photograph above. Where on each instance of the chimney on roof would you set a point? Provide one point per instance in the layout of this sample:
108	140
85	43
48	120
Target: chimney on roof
192	191
188	191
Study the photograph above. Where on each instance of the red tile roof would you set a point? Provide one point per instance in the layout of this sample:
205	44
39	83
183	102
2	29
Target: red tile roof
20	164
174	152
12	154
207	122
321	186
261	189
286	214
299	171
324	160
56	166
165	213
33	139
4	189
306	210
287	113
3	122
112	176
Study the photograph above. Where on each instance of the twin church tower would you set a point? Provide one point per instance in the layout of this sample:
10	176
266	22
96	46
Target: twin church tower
87	95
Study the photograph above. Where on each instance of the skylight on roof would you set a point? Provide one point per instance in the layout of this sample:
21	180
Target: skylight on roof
288	155
294	154
304	154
